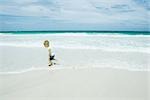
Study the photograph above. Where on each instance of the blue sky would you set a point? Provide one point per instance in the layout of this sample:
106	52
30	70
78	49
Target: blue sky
119	15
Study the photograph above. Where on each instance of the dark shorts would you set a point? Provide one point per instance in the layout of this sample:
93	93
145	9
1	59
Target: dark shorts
52	57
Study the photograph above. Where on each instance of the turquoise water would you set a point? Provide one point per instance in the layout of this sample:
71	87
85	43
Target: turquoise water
78	32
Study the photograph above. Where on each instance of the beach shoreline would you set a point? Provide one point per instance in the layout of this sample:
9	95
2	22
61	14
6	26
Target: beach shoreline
80	73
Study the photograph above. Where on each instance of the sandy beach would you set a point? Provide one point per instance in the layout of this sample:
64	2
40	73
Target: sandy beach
88	84
80	74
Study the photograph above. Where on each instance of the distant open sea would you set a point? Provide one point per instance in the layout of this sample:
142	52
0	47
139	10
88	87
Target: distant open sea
79	32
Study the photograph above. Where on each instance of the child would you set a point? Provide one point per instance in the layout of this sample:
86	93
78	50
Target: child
51	56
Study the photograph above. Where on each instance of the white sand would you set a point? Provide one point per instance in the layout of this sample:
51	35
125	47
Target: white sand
92	75
105	84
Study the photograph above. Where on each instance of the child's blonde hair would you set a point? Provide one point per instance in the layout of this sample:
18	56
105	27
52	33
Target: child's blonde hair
46	43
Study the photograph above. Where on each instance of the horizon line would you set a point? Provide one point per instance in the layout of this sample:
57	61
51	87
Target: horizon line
70	31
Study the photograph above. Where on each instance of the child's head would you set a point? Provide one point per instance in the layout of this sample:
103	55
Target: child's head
46	43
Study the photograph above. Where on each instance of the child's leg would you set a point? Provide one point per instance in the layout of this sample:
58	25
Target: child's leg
55	62
50	62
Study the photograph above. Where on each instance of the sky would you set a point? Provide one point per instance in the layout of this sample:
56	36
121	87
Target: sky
98	15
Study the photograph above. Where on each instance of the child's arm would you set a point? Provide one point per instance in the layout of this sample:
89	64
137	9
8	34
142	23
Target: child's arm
49	51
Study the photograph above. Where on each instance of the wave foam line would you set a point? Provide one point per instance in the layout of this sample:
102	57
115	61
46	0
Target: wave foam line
73	68
143	50
76	34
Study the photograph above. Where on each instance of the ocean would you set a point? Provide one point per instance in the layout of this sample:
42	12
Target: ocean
104	40
78	32
82	40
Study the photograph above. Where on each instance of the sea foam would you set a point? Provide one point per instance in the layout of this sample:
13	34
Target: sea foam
108	42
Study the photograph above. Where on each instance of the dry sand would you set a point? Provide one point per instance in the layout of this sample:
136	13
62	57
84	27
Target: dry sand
94	84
